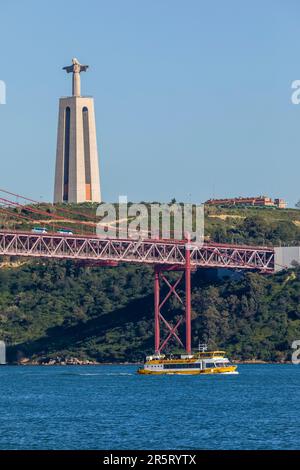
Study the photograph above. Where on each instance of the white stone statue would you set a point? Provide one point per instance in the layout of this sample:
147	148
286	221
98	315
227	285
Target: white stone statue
76	68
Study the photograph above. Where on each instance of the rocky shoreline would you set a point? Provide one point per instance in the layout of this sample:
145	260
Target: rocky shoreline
74	361
59	361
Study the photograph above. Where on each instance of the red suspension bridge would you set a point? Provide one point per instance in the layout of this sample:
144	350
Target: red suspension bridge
164	255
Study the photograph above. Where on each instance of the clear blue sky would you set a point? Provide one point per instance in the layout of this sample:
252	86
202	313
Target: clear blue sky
192	97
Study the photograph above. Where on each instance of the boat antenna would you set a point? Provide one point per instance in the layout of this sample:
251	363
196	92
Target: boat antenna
202	347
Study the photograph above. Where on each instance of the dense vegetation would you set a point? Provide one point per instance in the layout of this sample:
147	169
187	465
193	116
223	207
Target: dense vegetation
229	224
52	309
59	308
253	226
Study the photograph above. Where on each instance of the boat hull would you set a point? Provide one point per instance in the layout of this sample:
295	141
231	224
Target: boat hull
214	371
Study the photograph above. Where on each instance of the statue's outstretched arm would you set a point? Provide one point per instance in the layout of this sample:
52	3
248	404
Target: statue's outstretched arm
68	69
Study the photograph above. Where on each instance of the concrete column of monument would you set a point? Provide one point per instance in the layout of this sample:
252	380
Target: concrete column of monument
77	167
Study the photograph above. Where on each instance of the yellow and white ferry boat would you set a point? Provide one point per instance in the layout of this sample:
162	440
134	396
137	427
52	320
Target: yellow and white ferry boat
202	362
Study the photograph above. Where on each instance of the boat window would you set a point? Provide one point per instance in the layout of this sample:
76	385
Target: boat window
182	366
210	365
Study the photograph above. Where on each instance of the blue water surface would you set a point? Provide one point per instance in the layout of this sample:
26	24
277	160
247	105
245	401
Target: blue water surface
111	407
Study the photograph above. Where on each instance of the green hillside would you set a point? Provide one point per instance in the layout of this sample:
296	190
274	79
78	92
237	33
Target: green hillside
232	225
51	309
253	225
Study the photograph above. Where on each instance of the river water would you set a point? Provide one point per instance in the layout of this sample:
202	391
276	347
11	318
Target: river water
111	407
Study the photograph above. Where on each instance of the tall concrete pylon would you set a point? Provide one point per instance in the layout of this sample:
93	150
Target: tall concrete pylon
77	167
2	353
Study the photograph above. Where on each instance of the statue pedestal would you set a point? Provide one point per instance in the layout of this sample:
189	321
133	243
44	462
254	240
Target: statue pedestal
77	168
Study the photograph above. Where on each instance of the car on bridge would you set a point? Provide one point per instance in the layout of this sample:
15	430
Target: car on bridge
63	231
40	230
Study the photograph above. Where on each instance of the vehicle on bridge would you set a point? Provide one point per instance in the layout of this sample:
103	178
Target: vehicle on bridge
66	231
40	230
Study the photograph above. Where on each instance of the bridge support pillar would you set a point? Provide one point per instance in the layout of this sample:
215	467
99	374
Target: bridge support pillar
156	309
159	319
188	319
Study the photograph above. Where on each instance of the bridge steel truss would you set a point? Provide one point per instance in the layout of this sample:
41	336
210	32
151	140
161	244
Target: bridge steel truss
163	255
